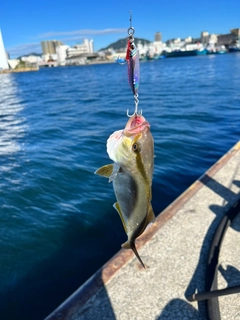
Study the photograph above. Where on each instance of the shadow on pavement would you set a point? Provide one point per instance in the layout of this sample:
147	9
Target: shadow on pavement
182	310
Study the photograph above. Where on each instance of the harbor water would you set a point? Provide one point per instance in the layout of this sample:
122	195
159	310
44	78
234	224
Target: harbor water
57	222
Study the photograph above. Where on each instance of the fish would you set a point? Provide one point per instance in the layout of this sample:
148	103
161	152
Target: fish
132	153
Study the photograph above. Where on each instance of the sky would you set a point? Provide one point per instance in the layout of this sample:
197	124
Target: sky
24	24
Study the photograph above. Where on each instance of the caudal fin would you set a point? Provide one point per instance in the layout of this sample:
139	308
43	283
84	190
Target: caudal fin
132	246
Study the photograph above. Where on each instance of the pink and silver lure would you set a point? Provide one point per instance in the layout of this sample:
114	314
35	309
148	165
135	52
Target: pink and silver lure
132	59
133	65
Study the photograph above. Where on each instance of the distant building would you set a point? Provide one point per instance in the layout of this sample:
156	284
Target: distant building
62	54
188	40
175	44
13	63
78	49
50	47
235	32
3	54
205	37
230	38
32	59
158	37
213	39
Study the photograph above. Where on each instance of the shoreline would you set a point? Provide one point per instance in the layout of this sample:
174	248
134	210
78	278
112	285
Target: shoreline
18	70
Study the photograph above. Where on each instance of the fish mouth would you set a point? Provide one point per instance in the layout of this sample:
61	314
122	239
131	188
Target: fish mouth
136	124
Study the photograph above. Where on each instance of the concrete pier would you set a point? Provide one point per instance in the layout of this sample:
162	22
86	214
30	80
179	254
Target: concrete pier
174	250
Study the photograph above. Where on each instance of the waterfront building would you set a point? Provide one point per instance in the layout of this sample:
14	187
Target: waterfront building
3	54
175	44
13	63
49	57
32	59
204	38
193	46
62	54
50	47
78	49
213	39
230	38
157	47
158	37
188	40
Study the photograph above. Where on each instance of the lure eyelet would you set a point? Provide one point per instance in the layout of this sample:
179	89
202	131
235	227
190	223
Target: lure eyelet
131	31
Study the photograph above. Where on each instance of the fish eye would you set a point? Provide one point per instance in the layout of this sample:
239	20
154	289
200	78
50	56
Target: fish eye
136	147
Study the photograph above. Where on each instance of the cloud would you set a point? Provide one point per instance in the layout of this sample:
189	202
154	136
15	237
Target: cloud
23	49
65	37
80	33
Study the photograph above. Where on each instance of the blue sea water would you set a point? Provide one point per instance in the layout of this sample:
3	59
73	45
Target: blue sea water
57	223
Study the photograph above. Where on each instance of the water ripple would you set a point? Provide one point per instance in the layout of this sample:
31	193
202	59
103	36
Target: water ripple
54	125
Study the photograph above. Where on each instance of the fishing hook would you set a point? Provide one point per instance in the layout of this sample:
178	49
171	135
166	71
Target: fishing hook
121	63
136	112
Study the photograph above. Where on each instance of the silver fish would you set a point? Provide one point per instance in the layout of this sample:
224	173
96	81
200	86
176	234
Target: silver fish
132	151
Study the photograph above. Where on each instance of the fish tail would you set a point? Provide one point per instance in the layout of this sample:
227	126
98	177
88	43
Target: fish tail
133	247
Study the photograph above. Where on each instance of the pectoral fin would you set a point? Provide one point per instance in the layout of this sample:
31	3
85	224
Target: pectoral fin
108	171
105	171
117	207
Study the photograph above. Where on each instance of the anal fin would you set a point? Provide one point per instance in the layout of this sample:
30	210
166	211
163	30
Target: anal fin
117	207
150	215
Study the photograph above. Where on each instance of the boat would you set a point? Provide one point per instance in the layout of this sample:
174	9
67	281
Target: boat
211	50
158	56
201	52
216	50
146	57
179	53
234	48
221	50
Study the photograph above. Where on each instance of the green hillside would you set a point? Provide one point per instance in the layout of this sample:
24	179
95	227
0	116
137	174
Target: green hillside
121	44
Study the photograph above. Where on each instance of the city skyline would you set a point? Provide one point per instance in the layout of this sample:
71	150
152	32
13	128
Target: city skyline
25	27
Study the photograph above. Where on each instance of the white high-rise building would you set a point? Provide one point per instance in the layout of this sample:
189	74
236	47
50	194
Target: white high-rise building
62	54
3	55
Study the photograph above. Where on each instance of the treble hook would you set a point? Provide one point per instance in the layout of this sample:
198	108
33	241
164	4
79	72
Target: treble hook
136	112
121	63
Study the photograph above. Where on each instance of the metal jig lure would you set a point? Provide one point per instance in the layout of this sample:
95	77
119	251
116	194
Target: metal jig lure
132	59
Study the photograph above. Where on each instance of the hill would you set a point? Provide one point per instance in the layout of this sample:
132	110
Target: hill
121	44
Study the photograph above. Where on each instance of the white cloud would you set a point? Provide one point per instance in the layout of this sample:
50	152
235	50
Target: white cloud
65	37
81	33
22	49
